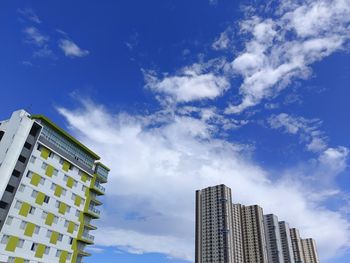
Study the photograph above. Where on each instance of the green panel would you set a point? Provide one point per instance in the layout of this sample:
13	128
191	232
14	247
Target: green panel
45	153
71	226
63	257
70	182
29	229
65	166
19	260
54	237
49	219
40	198
62	208
24	209
35	179
12	243
49	170
40	250
58	190
84	177
77	201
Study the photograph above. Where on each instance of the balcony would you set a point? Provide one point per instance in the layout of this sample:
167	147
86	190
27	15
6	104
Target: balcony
86	238
93	212
102	172
94	199
99	188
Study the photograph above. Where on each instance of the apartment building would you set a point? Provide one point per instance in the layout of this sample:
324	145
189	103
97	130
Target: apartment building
50	187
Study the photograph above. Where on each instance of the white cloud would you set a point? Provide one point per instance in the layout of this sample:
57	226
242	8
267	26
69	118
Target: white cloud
71	49
307	129
34	36
29	14
158	164
222	42
282	49
191	85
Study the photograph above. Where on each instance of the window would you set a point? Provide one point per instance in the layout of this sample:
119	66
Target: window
4	239
70	240
65	178
10	188
27	145
64	191
32	210
18	204
42	180
32	159
9	220
44	166
34	194
44	215
69	256
57	204
48	233
23	224
3	204
29	174
60	237
68	209
73	196
37	229
47	250
21	187
53	186
46	199
55	219
22	159
55	172
34	247
61	160
11	260
75	183
20	243
77	213
58	253
16	173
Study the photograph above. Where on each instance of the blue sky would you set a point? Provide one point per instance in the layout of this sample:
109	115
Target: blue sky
179	95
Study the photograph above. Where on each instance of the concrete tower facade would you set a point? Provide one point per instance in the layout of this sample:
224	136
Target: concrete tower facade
287	248
49	190
309	250
297	246
273	239
214	225
254	242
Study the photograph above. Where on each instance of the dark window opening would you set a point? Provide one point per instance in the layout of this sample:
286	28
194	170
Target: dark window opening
3	204
27	145
16	173
22	159
34	130
10	188
1	134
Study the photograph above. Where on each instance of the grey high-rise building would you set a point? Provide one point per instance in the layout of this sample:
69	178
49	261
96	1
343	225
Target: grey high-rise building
273	239
296	245
287	249
254	242
235	233
214	225
309	250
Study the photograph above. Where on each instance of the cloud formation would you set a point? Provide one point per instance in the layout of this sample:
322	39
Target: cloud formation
281	49
307	129
193	83
70	49
158	162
